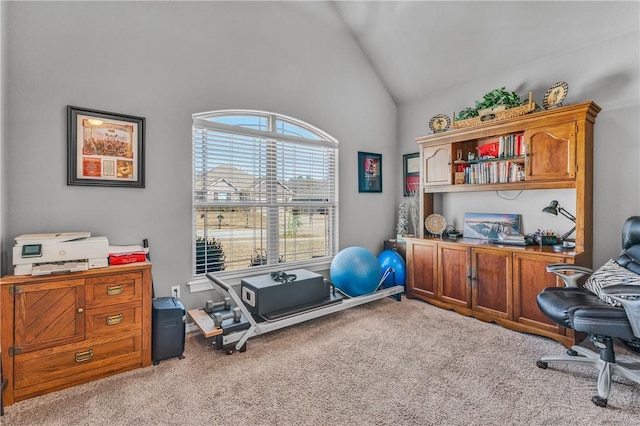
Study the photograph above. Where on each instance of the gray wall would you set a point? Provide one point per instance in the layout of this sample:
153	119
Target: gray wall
607	73
3	128
166	61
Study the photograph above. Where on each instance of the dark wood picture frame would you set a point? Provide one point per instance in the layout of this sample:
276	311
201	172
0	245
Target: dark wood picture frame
410	173
104	148
369	172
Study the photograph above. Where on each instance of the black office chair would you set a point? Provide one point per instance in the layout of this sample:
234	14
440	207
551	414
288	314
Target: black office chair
607	307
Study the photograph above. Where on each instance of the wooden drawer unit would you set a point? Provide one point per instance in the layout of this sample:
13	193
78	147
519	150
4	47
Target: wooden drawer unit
117	288
63	330
123	318
36	372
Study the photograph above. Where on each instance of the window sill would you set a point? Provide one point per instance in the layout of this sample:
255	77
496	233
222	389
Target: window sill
234	278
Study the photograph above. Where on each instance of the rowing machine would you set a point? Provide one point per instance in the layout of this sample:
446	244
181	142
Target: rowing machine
260	326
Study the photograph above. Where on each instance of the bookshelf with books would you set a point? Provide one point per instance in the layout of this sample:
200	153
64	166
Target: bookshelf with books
499	160
543	149
550	149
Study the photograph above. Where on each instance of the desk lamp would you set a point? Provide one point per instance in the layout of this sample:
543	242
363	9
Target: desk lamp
554	208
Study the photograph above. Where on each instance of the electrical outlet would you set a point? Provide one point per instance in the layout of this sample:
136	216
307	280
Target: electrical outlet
175	291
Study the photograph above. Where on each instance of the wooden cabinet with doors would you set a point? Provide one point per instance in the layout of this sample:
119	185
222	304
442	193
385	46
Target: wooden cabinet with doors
476	278
454	274
422	269
62	330
491	290
437	164
461	277
491	282
530	278
551	152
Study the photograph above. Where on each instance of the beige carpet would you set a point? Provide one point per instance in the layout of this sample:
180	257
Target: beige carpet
384	363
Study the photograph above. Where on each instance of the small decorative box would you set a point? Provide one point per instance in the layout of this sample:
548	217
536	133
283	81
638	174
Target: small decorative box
548	240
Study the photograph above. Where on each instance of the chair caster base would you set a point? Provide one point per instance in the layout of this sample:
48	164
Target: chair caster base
600	402
542	364
571	352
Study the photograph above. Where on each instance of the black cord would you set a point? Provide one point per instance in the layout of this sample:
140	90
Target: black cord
283	277
508	199
145	244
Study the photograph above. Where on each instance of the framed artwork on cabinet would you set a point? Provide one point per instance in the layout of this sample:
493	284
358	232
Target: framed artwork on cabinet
410	173
490	226
104	148
369	172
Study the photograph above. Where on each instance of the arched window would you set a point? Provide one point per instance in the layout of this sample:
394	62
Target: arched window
264	191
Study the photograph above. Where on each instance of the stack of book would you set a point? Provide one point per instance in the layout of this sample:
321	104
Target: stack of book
511	146
494	172
120	255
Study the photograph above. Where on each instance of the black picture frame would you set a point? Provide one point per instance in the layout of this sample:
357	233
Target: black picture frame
410	173
105	148
369	172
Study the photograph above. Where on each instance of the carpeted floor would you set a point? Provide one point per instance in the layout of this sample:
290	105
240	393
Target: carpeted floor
384	363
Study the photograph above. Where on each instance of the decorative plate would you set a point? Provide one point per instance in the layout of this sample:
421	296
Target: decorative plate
555	95
439	123
435	224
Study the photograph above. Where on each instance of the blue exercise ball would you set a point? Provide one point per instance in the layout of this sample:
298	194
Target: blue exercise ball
391	259
355	271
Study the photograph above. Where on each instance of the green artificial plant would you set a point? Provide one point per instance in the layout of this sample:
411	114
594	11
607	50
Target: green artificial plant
491	99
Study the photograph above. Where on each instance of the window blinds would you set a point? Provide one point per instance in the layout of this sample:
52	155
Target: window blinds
261	197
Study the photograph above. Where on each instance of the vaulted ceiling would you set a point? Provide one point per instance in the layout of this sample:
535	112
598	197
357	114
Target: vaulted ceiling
417	46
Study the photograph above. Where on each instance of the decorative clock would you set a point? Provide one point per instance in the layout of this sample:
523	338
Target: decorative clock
435	224
555	95
439	123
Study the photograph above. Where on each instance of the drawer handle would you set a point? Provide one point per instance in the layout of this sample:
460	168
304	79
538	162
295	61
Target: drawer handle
115	290
115	319
84	356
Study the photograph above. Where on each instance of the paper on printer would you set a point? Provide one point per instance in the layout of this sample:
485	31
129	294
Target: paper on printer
42	254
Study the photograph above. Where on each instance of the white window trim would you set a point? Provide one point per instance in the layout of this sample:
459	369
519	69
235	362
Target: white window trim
201	283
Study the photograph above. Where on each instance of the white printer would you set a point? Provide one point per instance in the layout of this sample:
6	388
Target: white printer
43	254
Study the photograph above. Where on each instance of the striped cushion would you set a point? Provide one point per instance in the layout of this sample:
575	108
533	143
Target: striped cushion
610	274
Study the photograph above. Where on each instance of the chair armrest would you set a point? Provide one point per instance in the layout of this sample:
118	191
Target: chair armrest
575	273
554	267
628	295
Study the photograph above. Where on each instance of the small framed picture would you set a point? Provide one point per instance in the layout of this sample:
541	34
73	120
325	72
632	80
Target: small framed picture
490	226
411	173
369	172
104	148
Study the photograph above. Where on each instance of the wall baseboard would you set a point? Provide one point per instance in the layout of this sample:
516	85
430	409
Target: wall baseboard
190	327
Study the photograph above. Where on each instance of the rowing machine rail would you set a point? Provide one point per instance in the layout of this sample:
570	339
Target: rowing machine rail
257	328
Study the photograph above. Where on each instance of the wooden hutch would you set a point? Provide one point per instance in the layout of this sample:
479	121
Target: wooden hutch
494	282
